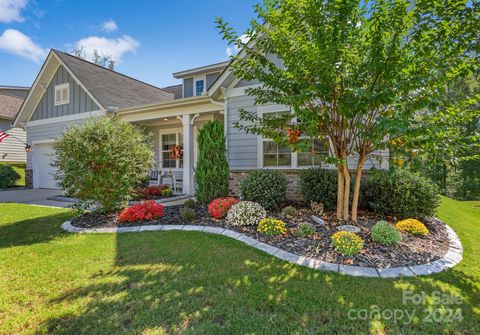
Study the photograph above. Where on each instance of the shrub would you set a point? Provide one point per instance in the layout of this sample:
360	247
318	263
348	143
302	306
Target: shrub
246	213
347	243
319	185
401	193
8	176
272	227
266	187
413	227
167	192
190	203
145	211
211	173
187	214
150	192
304	230
219	208
384	233
103	161
290	211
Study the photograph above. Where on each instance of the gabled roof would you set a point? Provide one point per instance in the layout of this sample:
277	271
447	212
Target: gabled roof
9	106
201	70
111	88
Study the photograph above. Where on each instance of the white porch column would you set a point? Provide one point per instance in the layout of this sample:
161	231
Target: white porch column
188	180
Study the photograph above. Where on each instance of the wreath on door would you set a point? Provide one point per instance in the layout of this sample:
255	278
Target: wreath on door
176	152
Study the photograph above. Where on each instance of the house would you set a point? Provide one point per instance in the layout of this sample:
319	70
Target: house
68	90
12	148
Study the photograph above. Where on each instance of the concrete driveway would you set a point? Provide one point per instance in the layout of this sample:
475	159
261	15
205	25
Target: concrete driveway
33	197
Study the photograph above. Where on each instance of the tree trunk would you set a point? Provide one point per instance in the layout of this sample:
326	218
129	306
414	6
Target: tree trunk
356	189
340	191
346	193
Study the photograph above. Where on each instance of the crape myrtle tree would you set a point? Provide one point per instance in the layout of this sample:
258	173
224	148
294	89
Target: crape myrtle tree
356	74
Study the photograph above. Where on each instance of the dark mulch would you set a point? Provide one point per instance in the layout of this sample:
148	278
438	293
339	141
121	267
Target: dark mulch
412	250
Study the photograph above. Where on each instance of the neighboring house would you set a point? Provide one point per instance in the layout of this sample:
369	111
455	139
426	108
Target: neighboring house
69	90
12	148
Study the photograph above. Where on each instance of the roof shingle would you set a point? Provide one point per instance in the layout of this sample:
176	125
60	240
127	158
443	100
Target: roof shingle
9	106
111	88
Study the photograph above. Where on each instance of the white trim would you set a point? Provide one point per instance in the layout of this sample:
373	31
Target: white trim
168	131
207	69
197	79
36	169
238	91
58	92
72	117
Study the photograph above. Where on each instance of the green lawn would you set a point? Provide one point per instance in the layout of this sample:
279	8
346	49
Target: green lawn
192	282
20	168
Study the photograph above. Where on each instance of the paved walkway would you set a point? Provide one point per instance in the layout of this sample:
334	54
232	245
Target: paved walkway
449	260
33	197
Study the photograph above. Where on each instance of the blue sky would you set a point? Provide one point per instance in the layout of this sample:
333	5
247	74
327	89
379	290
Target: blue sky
150	39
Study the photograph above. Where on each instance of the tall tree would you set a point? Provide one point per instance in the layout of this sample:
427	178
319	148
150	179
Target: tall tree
98	58
356	73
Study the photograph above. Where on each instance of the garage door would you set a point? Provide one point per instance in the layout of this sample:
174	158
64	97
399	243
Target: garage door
44	155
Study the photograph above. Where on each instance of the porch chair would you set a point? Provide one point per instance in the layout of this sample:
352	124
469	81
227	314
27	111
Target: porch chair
154	178
177	181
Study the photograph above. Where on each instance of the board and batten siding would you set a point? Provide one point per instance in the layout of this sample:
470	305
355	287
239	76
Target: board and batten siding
48	132
80	102
243	147
13	146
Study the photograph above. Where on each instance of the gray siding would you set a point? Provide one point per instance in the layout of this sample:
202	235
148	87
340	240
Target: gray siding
188	87
80	102
15	92
211	78
242	147
48	132
12	146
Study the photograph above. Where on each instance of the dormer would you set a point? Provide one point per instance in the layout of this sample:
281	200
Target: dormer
197	81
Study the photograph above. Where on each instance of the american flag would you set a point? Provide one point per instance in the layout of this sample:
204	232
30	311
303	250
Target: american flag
3	136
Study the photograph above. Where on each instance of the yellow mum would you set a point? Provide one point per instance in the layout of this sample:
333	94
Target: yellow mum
272	227
347	243
412	226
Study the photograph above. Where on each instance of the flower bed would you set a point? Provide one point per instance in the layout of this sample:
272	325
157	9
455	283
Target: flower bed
153	192
411	250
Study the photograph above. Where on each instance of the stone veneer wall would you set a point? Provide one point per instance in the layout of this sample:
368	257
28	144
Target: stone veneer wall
29	178
293	183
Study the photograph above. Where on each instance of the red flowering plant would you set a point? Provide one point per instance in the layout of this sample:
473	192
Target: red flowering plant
144	211
219	207
150	192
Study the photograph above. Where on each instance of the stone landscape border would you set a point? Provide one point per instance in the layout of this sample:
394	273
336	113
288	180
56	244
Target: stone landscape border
449	260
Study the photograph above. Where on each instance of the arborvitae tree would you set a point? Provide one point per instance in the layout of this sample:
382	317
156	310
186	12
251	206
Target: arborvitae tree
211	174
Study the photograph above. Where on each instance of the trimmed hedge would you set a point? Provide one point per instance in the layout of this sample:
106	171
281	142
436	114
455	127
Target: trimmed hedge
266	187
8	176
401	193
319	185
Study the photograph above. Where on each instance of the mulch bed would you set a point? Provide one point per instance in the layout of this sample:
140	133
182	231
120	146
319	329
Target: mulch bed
410	251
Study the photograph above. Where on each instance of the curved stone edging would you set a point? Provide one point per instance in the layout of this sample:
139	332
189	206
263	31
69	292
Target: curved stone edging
449	260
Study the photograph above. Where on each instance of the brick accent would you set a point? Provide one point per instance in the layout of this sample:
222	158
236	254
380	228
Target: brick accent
293	183
29	178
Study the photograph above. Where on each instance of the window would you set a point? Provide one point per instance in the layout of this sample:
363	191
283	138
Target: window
168	141
275	154
62	94
313	157
199	87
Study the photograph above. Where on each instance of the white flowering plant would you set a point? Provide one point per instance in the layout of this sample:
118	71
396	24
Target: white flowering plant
246	213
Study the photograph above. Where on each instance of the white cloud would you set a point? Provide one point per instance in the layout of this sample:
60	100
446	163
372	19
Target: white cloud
114	47
15	42
232	50
10	10
108	26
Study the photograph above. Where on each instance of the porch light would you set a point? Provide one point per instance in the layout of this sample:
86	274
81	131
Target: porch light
28	148
165	119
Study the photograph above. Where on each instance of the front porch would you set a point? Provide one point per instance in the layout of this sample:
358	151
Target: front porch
176	124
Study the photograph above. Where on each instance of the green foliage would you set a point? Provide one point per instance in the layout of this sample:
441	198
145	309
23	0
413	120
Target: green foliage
304	230
190	203
401	193
167	192
103	161
320	186
272	227
385	233
266	187
187	214
347	243
211	174
8	176
290	211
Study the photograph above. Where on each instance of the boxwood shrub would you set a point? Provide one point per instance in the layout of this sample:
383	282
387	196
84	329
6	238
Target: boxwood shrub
319	185
8	176
266	187
401	193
